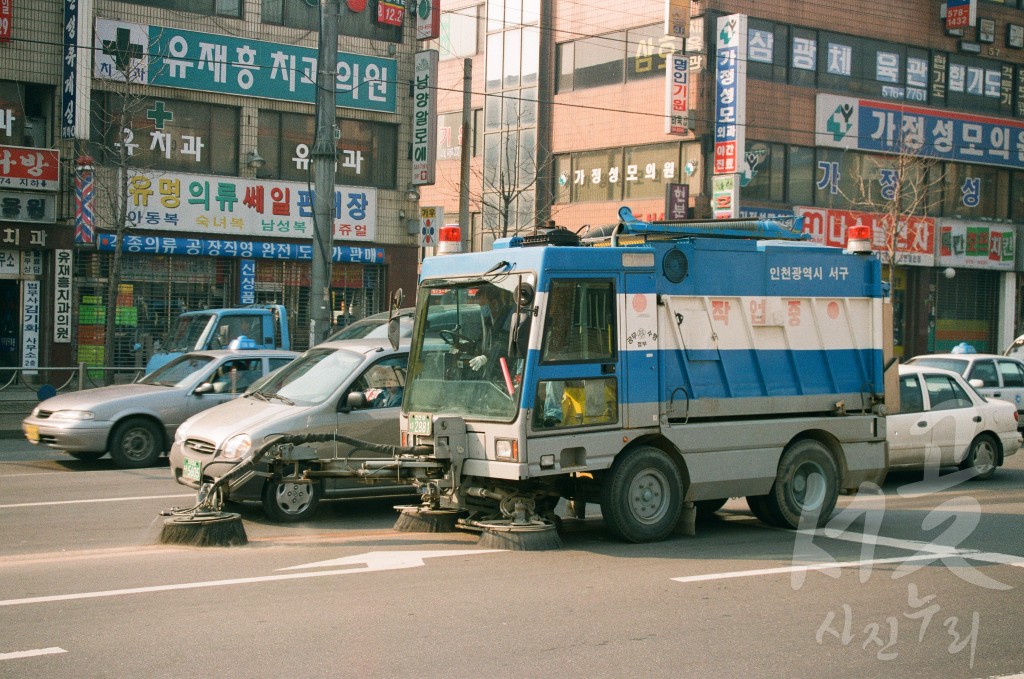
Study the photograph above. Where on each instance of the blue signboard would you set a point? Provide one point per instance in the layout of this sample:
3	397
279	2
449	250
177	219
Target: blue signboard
247	281
864	125
159	245
240	66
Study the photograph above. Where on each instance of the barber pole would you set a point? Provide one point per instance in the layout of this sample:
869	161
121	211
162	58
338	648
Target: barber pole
85	190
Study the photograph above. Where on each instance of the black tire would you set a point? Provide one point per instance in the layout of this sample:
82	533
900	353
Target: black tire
136	443
641	497
763	510
707	508
289	502
87	457
983	457
807	481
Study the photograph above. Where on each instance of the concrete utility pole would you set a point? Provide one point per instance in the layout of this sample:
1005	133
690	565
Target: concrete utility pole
323	154
467	149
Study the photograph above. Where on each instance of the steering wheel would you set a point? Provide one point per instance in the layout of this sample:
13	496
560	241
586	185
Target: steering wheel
455	338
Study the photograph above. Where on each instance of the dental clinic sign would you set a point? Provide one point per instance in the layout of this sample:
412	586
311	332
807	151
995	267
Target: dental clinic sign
884	127
225	64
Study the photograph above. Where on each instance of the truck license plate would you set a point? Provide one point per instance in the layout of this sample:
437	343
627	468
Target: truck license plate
419	424
193	470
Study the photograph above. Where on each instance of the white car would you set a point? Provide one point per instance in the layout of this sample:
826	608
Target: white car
944	421
991	374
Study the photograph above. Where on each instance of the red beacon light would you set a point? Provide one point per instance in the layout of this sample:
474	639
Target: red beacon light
858	239
449	240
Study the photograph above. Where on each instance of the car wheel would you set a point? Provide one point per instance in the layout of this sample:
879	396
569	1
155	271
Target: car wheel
87	457
136	443
982	456
706	508
288	501
807	482
641	499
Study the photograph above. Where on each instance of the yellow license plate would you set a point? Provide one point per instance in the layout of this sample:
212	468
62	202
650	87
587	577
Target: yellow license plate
32	432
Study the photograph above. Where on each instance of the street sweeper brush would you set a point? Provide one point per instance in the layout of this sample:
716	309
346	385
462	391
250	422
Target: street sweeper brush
206	524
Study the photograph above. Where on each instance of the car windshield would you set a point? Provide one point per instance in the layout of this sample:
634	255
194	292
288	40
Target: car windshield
459	361
956	365
179	372
186	332
311	378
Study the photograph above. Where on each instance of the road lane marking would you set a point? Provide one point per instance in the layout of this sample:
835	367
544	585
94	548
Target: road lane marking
372	562
799	568
95	500
29	654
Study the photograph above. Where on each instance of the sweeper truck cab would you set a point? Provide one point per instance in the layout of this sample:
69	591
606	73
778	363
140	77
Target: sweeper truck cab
658	370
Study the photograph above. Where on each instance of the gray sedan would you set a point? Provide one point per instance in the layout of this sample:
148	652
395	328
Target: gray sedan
136	422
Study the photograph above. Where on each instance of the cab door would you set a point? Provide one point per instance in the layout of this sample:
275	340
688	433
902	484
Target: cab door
579	378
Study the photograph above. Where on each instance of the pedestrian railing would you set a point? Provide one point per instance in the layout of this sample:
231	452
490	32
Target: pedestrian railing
29	382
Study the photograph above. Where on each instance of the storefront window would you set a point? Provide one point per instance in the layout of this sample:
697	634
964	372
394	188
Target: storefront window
367	152
975	191
166	134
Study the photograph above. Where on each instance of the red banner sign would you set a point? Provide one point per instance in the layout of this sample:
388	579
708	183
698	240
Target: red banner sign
6	17
22	167
915	236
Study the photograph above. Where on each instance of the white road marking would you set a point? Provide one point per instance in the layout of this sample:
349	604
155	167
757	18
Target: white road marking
372	561
926	552
29	654
94	500
382	561
798	568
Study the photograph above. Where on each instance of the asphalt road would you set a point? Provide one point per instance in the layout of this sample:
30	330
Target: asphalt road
926	581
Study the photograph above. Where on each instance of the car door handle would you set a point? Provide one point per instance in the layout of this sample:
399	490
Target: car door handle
923	423
997	394
977	418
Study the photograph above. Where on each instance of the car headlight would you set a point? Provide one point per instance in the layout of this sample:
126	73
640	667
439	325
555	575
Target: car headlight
72	415
237	447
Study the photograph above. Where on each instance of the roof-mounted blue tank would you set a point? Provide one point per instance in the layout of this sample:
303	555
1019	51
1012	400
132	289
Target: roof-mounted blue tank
727	228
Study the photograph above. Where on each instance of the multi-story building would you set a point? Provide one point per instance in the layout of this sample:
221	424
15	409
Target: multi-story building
199	115
874	113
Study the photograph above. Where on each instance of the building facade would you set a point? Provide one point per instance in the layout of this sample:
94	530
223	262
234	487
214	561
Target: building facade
874	113
191	124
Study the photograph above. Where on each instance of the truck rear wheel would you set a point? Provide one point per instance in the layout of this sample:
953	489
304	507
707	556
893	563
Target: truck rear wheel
807	482
641	498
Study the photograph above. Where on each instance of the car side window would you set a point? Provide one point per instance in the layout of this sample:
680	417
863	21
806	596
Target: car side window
383	383
235	375
945	394
911	400
1012	372
986	372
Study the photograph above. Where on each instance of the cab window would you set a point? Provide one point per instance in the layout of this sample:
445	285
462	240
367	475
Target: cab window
580	323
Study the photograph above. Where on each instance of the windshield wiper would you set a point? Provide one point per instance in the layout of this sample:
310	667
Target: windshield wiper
267	395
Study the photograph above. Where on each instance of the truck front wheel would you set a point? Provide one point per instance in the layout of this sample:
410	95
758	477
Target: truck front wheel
641	497
807	482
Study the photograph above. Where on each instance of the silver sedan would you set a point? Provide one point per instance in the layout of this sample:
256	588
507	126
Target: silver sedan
136	422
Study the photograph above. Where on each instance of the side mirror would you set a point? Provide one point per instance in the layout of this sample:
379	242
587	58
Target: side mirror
976	383
355	401
204	388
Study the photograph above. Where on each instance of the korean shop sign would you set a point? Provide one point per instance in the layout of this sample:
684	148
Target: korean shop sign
229	65
237	207
976	245
915	236
730	93
882	127
33	169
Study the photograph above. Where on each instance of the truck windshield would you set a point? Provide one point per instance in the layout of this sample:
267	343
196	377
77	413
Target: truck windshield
462	360
186	333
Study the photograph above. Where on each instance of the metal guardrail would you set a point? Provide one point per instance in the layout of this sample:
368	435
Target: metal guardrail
26	381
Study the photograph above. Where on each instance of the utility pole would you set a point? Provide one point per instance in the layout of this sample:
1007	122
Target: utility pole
323	154
467	148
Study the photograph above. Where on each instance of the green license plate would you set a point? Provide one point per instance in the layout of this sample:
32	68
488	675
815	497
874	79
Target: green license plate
193	470
419	425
